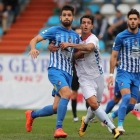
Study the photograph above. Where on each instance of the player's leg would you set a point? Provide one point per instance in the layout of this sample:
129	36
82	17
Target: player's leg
46	111
128	100
110	106
61	81
93	120
74	105
65	94
90	92
74	87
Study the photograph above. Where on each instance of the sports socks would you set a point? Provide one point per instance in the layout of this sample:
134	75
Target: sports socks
123	108
61	112
74	104
102	116
110	106
89	115
46	111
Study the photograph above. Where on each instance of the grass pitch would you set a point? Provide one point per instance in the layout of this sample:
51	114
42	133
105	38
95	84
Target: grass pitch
12	127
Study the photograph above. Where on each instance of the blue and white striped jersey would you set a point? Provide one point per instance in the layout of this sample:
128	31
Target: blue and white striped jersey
61	59
128	45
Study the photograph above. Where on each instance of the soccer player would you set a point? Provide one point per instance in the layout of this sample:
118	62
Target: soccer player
127	44
90	74
75	87
59	71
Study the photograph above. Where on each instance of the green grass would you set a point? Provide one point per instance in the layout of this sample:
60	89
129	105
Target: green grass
12	127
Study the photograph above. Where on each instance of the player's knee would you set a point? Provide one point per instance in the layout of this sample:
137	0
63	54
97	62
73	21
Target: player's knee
94	106
116	99
66	95
55	108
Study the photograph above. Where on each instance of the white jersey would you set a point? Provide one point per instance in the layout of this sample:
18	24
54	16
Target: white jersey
90	65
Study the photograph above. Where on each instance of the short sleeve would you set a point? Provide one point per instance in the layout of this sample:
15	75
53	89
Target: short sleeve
95	41
117	44
49	34
78	39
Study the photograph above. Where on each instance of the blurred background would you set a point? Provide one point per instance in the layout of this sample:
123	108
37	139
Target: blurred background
23	81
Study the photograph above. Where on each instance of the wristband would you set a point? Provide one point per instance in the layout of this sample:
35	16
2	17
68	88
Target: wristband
111	74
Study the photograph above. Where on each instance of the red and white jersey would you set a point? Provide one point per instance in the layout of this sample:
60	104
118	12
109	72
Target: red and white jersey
90	65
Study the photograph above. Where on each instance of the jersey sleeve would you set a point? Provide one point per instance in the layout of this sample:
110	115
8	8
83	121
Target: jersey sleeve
117	44
49	34
95	41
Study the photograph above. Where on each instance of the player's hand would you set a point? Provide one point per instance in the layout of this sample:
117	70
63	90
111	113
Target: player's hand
64	45
53	48
34	53
110	82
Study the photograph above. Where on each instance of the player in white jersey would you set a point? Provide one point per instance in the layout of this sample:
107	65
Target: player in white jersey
90	74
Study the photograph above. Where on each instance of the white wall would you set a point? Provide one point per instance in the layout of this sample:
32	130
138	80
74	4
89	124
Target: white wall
24	83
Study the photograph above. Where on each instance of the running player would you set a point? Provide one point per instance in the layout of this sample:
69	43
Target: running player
59	71
90	74
127	44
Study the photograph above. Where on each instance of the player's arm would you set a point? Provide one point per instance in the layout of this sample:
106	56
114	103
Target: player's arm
113	63
117	63
113	59
34	52
82	47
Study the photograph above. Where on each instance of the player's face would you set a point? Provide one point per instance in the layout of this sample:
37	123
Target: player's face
66	18
133	22
86	25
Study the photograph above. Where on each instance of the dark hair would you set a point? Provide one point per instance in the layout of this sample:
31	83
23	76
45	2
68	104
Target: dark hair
68	8
133	11
87	16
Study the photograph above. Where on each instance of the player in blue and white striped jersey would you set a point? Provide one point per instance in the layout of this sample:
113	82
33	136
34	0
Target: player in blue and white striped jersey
59	71
127	43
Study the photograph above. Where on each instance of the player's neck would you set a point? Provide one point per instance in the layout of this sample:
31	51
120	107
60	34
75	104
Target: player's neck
133	31
68	28
85	36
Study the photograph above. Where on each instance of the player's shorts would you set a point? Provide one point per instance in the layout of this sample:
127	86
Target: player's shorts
75	83
92	87
117	92
128	80
59	79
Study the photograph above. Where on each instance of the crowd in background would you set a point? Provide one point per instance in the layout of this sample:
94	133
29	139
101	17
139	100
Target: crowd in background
102	29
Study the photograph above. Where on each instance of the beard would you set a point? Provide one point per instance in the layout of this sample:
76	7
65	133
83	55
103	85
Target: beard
66	24
132	28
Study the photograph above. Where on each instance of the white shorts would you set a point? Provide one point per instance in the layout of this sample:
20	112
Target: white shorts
92	87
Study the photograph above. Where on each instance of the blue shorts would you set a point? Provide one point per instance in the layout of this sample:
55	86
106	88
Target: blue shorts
59	79
128	80
117	92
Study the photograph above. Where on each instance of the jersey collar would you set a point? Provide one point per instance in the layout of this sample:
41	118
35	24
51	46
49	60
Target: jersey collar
85	38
